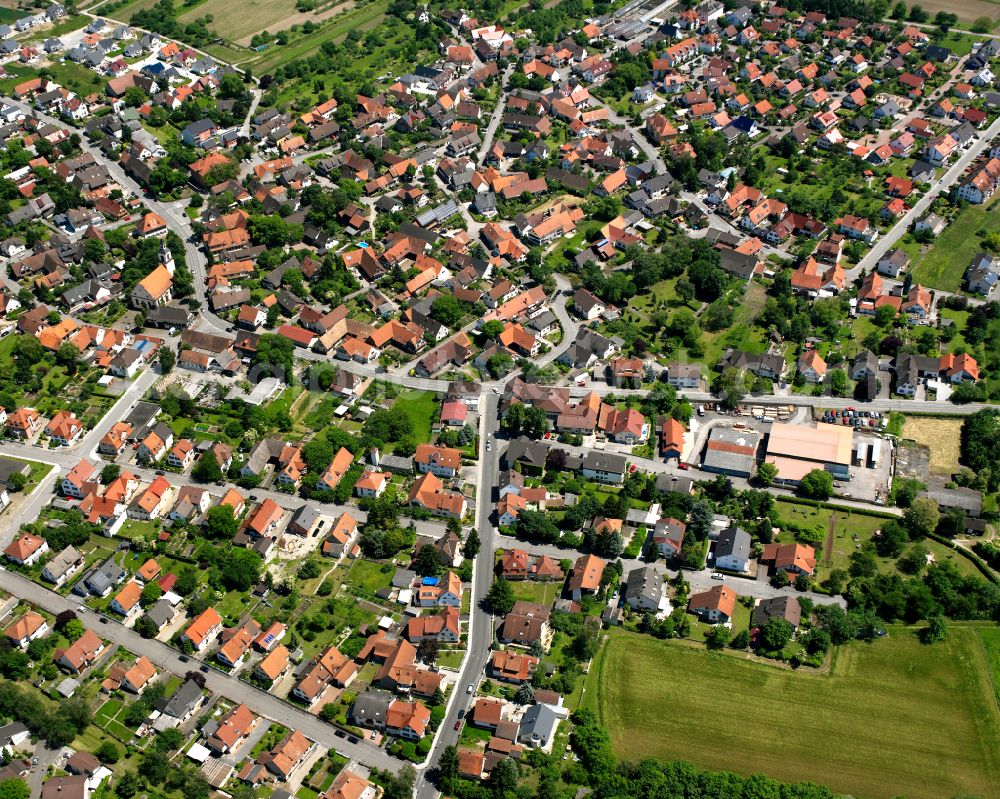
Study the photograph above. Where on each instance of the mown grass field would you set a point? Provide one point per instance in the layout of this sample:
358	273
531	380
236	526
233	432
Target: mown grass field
944	264
894	718
990	639
941	436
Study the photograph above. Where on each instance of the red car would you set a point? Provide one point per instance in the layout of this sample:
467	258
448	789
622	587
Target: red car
683	467
458	725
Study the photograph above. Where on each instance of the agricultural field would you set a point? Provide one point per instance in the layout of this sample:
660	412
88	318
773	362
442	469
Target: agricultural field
124	12
238	21
943	265
935	704
361	19
941	436
968	11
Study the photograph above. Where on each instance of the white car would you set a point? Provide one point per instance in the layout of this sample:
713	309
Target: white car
718	576
470	689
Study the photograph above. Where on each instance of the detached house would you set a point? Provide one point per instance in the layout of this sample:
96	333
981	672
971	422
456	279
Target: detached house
26	549
26	629
856	228
717	605
203	630
81	653
585	576
439	461
792	558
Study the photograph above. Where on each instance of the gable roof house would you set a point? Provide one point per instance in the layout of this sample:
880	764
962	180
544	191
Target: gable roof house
585	576
732	550
81	654
26	549
717	605
203	629
26	629
644	588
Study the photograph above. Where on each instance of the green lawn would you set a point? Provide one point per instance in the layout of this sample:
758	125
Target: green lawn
234	604
134	528
892	718
847	525
74	77
542	593
107	718
366	577
7	344
421	409
38	472
943	265
451	659
107	711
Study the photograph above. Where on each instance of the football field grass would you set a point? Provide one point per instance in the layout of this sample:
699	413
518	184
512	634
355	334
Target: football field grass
892	718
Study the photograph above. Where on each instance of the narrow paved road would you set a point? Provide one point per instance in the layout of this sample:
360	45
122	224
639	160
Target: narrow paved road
230	687
644	145
885	243
570	326
480	626
64	459
491	129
